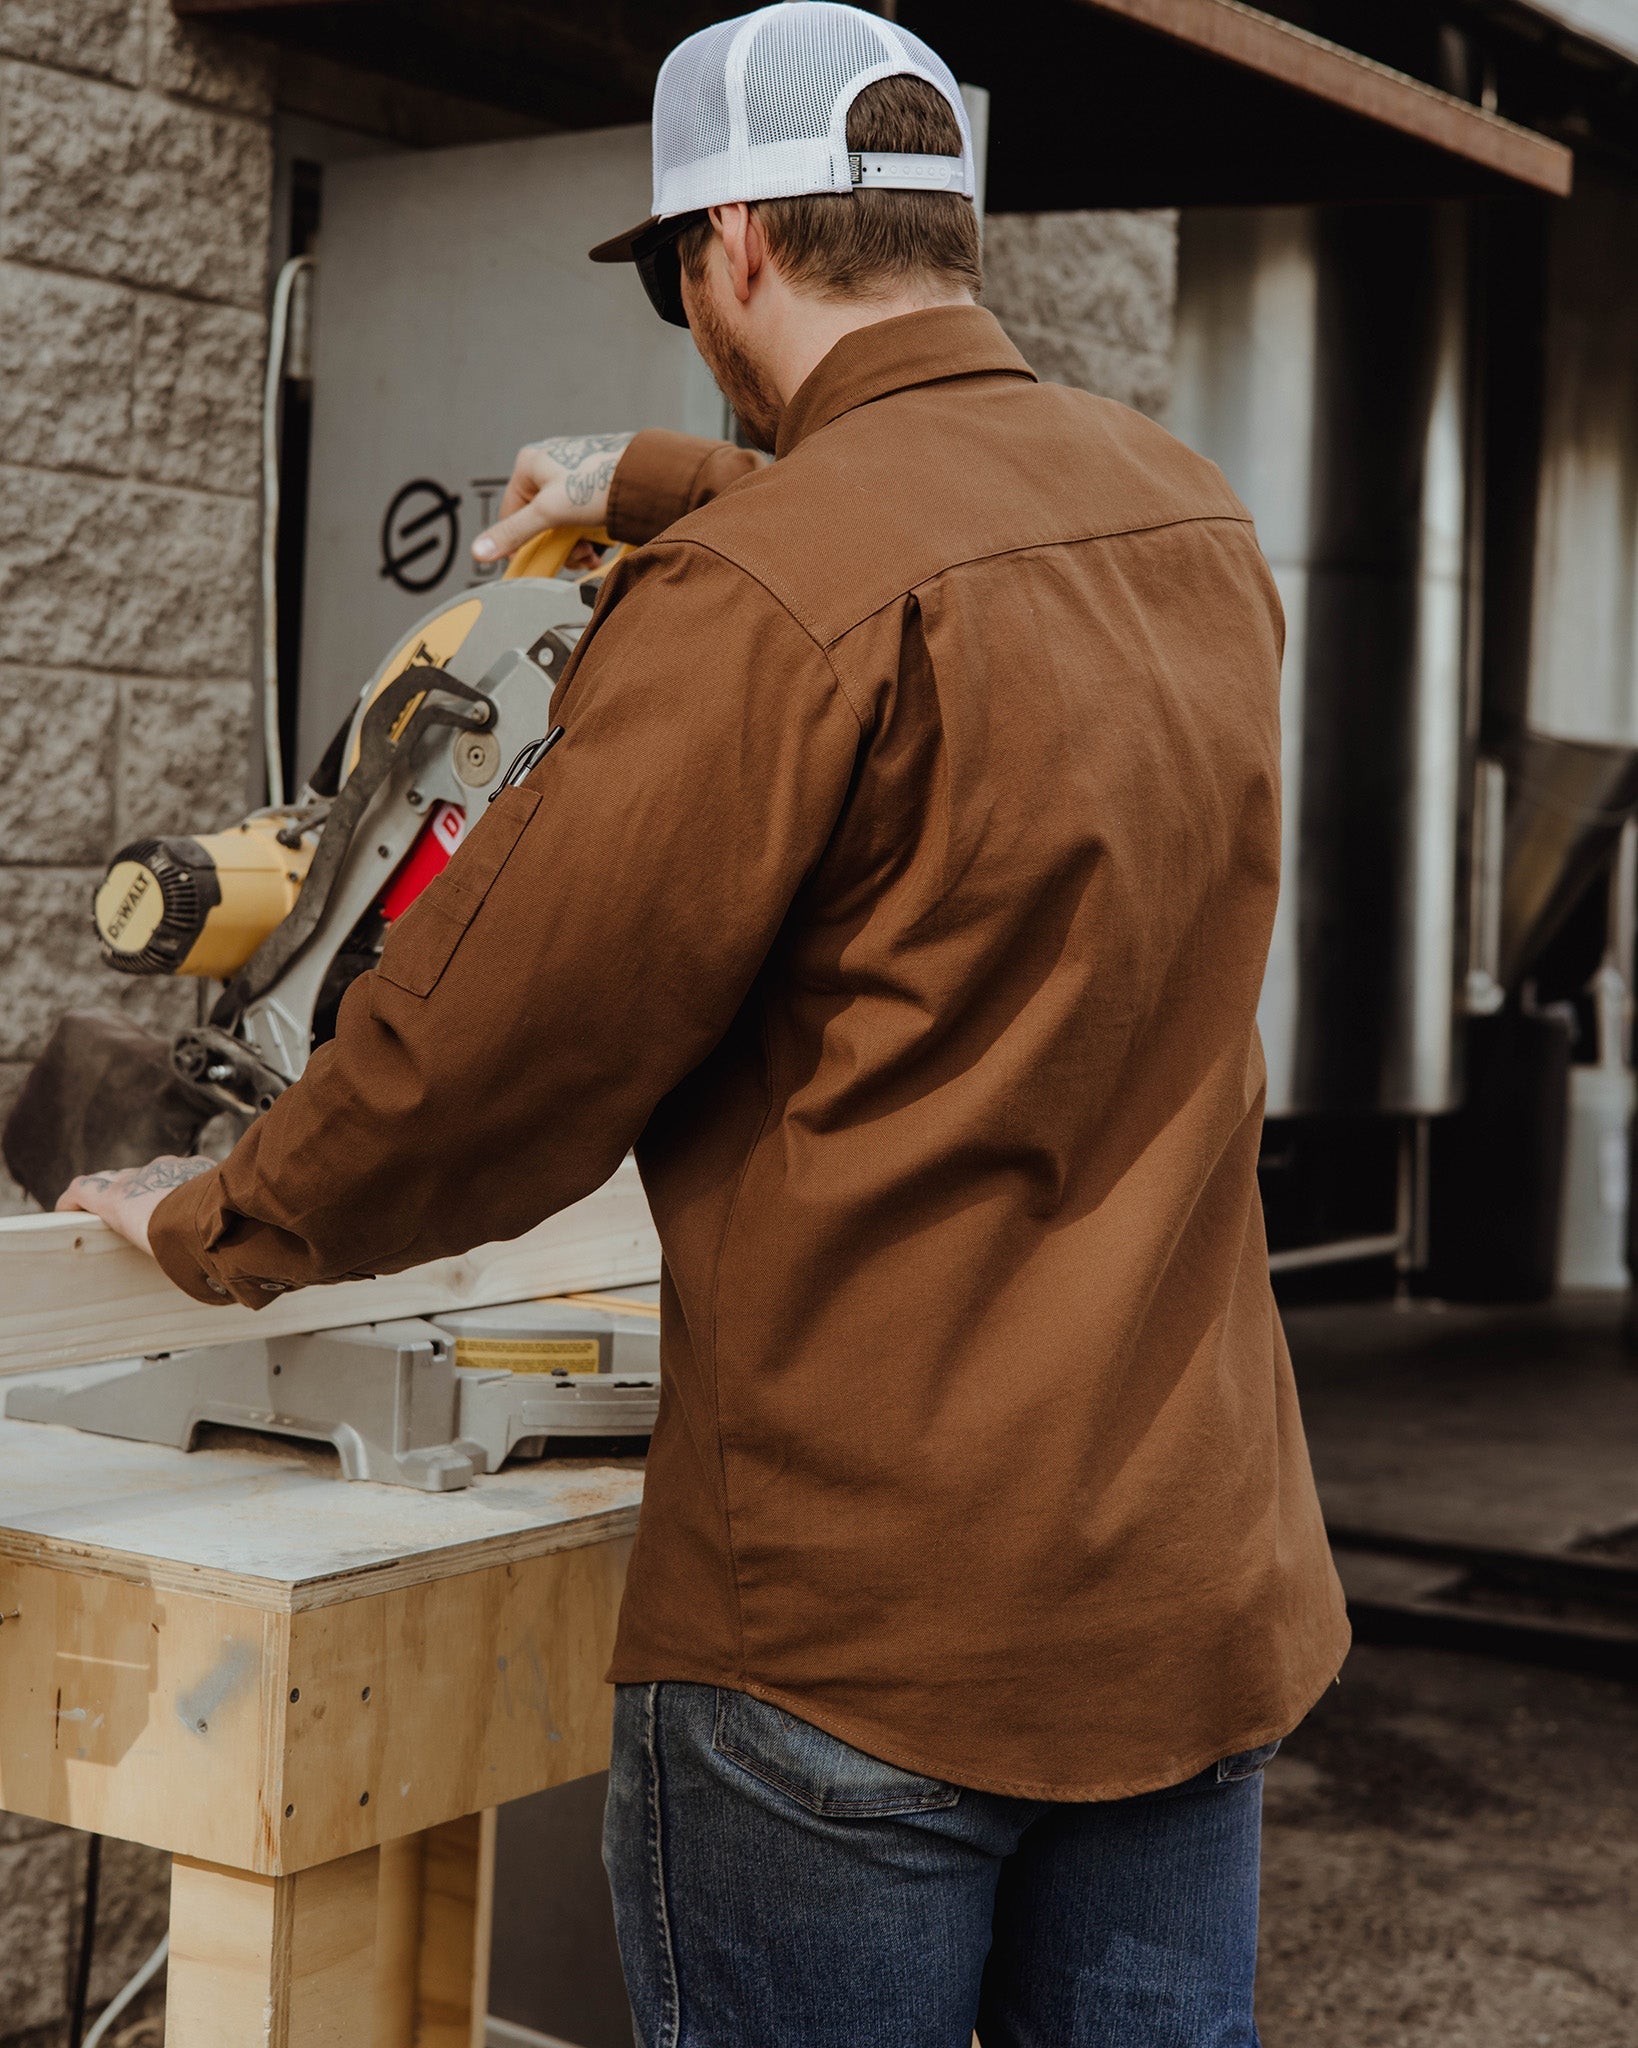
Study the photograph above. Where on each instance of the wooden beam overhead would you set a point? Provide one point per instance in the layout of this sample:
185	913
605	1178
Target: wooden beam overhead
1094	103
1276	50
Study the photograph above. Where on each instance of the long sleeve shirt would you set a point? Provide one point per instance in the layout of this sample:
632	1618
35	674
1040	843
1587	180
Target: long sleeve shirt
901	890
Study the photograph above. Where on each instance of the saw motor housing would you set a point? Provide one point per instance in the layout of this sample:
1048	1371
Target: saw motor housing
287	908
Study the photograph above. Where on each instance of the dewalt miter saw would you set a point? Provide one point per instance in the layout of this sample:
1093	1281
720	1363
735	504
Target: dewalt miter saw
289	907
285	910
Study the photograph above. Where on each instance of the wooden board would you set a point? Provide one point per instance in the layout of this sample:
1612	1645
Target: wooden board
276	1741
445	1698
146	1715
276	1529
72	1293
264	1962
1343	78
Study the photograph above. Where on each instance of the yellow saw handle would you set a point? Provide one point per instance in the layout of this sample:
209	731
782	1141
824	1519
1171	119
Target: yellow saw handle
548	551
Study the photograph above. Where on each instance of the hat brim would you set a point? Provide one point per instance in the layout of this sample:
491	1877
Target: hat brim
633	243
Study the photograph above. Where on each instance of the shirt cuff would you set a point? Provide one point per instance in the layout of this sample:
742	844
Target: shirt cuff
180	1233
663	475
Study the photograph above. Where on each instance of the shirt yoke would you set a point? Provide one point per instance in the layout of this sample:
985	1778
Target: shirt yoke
923	482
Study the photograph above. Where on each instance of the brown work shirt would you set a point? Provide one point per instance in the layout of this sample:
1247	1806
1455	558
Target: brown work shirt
901	891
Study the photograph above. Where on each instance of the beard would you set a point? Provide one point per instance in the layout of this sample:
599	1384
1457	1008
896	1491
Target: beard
756	404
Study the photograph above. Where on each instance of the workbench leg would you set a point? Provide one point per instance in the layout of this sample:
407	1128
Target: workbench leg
272	1962
432	1948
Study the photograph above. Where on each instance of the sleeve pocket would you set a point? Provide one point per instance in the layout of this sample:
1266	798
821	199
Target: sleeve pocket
421	944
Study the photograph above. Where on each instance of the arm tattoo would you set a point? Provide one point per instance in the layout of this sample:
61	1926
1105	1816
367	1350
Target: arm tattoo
588	462
166	1174
582	485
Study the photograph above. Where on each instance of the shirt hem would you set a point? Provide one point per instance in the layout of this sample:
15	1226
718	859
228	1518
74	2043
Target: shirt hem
880	1743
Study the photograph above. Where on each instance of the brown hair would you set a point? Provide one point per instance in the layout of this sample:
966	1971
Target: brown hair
852	245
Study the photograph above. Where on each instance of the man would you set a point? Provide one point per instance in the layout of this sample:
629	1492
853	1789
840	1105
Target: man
901	889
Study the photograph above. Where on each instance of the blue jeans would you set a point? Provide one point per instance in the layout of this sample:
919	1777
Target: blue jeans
774	1888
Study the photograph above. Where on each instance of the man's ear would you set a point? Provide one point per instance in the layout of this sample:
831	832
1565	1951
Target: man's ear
744	250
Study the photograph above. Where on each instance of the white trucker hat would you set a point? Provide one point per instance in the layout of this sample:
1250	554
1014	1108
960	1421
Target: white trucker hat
757	107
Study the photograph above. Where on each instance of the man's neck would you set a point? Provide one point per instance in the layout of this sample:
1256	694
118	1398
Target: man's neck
811	328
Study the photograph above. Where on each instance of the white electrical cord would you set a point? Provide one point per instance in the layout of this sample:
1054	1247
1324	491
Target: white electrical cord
277	342
138	1984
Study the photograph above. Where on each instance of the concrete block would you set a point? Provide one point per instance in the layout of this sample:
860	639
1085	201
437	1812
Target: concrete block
200	62
13	1202
1089	298
56	766
49	963
196	409
41	1875
128	577
183	758
18	1827
133	1911
39	1885
100	36
1090	361
66	347
133	186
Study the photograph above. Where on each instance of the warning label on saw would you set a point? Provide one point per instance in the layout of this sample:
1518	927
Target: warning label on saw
528	1354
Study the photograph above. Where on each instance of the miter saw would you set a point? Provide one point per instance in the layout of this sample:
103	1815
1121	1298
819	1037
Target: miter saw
289	907
285	910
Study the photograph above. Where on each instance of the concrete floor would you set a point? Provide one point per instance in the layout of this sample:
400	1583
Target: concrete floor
1452	1848
1451	1861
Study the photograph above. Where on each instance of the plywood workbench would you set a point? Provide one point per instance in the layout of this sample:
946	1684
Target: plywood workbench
314	1694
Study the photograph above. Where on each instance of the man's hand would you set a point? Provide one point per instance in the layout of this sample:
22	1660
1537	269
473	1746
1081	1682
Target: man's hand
127	1196
563	481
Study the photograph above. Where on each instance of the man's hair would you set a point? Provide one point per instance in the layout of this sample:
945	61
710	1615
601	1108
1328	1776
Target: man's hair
857	245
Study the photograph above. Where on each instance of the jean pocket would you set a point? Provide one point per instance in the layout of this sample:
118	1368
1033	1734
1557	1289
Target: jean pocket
817	1770
422	942
1247	1764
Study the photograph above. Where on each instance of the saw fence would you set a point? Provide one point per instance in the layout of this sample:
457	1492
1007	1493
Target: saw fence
313	1694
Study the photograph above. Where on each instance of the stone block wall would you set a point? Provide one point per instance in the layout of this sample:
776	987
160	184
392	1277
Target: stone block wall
42	1877
135	216
1088	298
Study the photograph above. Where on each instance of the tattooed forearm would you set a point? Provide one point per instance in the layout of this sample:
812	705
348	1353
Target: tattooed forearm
157	1175
588	462
167	1173
582	485
573	449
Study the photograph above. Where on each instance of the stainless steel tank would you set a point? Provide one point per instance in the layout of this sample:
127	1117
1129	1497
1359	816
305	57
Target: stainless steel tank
1561	601
1322	362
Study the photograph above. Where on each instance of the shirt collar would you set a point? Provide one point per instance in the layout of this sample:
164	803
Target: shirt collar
893	355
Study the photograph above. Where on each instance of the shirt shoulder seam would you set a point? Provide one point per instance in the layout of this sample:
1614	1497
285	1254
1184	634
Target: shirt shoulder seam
1025	547
820	647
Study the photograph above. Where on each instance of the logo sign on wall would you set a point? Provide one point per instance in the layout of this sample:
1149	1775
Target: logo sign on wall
421	532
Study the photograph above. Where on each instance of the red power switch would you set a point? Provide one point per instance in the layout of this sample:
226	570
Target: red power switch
429	856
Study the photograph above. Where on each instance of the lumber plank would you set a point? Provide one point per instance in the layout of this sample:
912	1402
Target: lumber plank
273	1529
433	1936
278	1742
152	1717
398	1941
423	1705
73	1293
1277	49
457	1919
272	1962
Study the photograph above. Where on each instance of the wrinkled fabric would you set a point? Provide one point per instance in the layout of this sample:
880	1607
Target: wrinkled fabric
901	890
